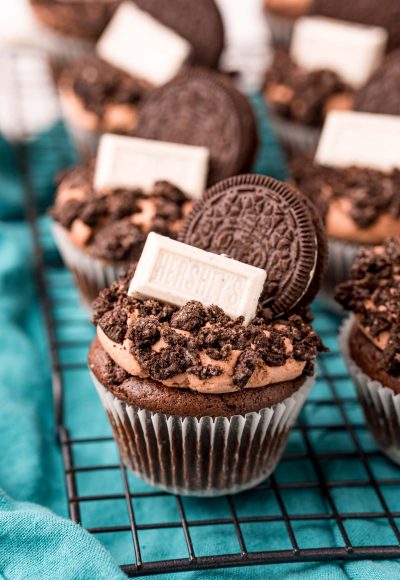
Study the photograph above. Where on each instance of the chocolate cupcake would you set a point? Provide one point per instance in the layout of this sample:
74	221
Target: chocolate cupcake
360	207
100	233
299	101
370	339
203	108
201	402
146	45
73	26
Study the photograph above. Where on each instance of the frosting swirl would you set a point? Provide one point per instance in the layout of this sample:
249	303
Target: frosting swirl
200	347
373	294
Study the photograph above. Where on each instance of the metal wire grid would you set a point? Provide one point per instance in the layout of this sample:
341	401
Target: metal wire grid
329	455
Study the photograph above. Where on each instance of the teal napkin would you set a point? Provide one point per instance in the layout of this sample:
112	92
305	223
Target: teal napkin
35	539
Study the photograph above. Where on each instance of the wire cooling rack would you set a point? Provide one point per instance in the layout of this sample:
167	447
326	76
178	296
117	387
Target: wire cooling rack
333	495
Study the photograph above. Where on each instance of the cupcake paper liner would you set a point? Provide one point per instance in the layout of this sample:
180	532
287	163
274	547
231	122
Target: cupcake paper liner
202	457
380	404
281	29
91	275
340	260
294	137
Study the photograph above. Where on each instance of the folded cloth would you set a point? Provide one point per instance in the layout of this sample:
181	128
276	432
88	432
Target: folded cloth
35	543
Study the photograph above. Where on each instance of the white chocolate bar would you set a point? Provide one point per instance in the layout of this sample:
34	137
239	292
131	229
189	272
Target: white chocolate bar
361	139
131	162
177	273
141	46
353	51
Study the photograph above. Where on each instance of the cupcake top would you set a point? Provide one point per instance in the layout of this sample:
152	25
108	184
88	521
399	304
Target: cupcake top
302	96
83	19
196	345
373	294
359	204
200	347
112	225
100	96
381	93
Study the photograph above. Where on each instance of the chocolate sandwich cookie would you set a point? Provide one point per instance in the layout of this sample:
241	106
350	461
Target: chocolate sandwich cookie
381	94
203	108
81	19
268	224
198	22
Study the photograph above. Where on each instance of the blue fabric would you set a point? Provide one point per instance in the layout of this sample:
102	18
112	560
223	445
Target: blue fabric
38	543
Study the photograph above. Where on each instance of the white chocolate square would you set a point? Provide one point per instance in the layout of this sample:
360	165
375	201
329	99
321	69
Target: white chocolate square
126	162
138	44
361	139
353	51
176	273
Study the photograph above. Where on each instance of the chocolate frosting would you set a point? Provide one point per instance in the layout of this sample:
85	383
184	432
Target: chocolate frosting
370	193
209	330
381	93
99	84
373	294
114	233
300	95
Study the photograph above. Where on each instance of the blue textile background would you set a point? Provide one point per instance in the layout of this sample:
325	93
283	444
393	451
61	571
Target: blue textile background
36	542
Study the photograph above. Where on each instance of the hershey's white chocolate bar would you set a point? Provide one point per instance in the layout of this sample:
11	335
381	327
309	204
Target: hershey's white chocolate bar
131	162
353	51
141	46
362	139
177	273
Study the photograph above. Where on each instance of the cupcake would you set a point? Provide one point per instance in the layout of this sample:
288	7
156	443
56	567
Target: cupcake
203	108
102	92
360	207
282	15
101	232
299	100
370	339
72	27
201	400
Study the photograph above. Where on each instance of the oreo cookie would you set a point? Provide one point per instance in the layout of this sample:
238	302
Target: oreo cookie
198	21
263	222
203	108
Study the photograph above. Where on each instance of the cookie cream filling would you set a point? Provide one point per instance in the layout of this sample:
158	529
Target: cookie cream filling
262	376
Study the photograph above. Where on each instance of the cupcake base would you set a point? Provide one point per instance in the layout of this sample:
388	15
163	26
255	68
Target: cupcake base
381	405
91	275
197	455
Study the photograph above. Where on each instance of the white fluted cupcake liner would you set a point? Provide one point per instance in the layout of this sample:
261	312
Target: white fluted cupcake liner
380	404
281	29
340	260
91	275
202	457
294	137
